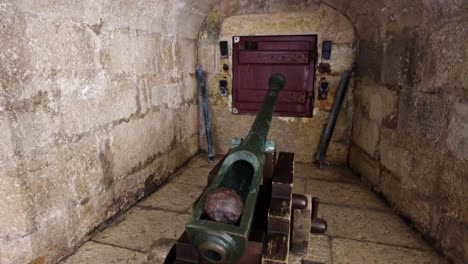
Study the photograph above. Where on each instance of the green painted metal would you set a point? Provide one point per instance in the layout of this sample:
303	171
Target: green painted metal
242	171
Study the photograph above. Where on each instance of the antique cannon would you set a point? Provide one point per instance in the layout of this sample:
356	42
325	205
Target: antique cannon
246	212
241	171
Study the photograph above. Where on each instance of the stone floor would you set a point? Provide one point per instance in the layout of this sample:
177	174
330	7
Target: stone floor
361	228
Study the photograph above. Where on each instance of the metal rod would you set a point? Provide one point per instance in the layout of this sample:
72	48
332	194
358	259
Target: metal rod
206	111
340	94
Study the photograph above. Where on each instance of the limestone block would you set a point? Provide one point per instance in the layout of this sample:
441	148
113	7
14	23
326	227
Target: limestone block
69	194
401	50
165	49
430	116
445	65
365	165
16	250
452	194
181	152
139	139
87	10
376	100
396	159
390	185
207	57
166	95
36	130
150	16
143	57
143	96
370	59
342	57
457	139
88	106
186	54
187	24
189	87
417	207
365	133
189	121
116	54
293	23
15	219
6	144
58	46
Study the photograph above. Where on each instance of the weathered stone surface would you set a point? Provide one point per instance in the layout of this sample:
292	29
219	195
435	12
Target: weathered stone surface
365	133
92	252
159	251
173	197
370	59
365	165
328	173
430	116
400	58
299	185
301	228
13	200
319	249
393	157
352	251
6	141
85	107
369	225
376	100
344	194
141	139
457	139
140	227
16	250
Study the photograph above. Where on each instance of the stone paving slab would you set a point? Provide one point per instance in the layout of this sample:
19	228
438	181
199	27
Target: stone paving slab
92	252
319	249
193	176
329	173
173	197
351	251
299	185
361	229
344	194
139	228
370	225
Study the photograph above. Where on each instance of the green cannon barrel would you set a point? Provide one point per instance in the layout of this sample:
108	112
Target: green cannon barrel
241	171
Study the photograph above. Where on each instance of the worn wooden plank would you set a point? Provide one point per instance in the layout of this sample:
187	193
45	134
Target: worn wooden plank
280	207
284	168
277	247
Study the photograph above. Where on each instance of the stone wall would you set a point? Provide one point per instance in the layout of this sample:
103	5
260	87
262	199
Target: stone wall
410	124
98	105
299	135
